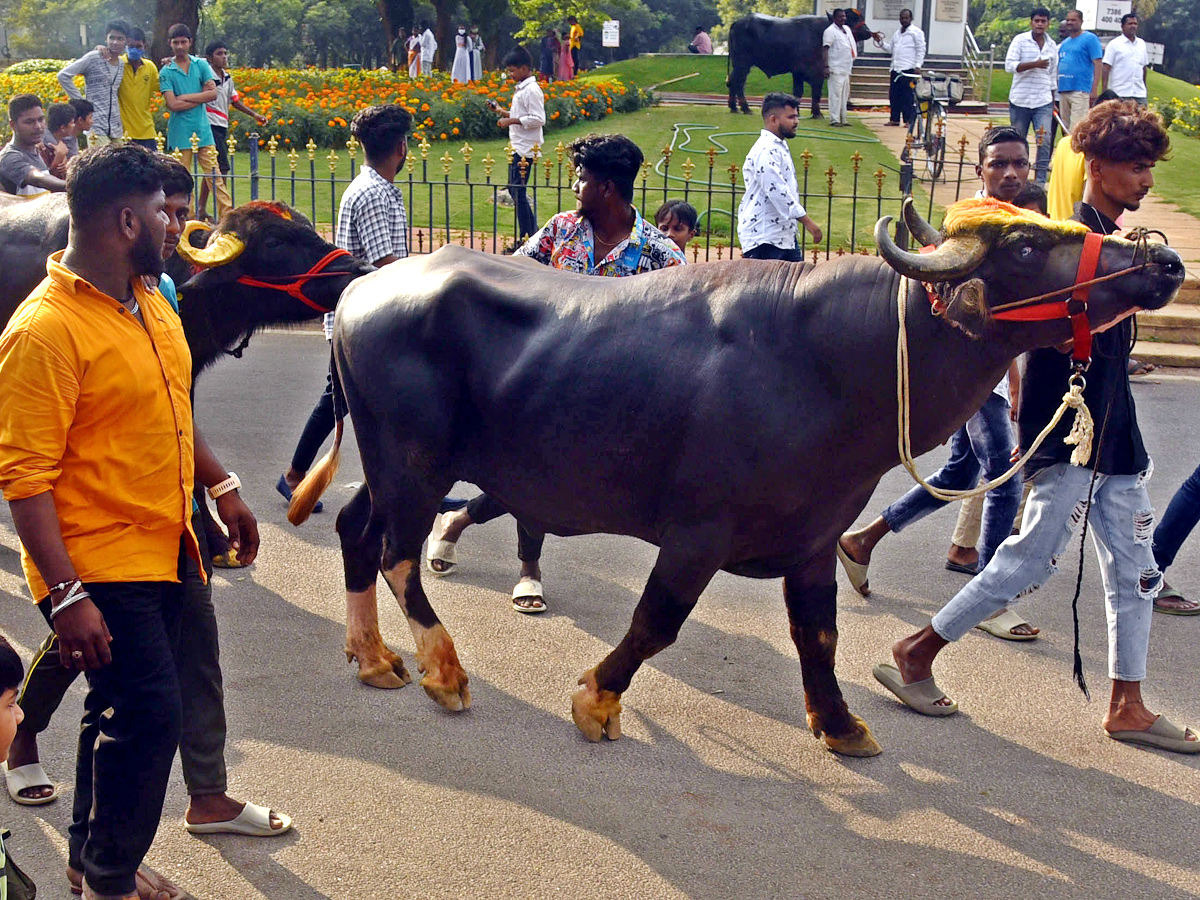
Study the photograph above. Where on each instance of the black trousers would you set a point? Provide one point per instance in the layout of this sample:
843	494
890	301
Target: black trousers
526	223
202	741
902	99
131	724
529	545
320	423
770	251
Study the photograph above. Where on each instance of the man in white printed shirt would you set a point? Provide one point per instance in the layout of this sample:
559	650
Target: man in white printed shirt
770	208
838	50
907	47
524	121
1126	61
1032	59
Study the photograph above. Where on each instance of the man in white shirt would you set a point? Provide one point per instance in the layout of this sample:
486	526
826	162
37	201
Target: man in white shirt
429	47
1126	61
770	208
838	50
1032	59
907	47
524	121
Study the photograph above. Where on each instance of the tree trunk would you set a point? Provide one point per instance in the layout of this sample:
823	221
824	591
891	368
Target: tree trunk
444	32
166	14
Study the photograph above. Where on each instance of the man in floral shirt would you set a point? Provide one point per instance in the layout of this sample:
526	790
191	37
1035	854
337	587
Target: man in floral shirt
605	235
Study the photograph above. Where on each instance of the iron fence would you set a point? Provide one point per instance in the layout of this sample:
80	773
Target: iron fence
467	209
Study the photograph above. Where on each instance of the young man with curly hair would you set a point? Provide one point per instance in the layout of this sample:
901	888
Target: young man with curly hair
1120	142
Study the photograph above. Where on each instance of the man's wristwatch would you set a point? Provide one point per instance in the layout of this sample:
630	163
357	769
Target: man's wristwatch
232	483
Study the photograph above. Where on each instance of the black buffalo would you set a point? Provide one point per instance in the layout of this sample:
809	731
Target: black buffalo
737	415
778	46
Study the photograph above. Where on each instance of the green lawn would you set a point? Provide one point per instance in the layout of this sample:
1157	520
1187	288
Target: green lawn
697	74
652	129
1164	87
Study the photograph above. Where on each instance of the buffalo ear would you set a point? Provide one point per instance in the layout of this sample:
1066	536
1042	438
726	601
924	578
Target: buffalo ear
967	308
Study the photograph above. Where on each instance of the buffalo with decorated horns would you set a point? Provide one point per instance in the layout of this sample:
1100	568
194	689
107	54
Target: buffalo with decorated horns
737	415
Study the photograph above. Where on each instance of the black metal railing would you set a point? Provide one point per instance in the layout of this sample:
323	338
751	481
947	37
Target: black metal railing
448	202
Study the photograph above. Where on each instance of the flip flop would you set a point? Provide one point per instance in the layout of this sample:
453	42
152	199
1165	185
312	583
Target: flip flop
1170	592
855	571
285	489
530	591
1002	625
1162	735
921	696
253	820
149	883
963	568
28	776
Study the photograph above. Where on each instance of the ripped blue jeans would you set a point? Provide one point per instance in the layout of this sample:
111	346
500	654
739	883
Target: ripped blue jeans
1121	523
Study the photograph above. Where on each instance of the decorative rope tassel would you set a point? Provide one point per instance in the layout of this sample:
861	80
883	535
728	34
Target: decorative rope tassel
1083	428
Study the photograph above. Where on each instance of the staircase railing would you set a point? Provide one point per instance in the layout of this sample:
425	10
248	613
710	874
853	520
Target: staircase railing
979	65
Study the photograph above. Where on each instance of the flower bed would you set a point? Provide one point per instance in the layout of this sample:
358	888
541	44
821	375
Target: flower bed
319	104
1181	116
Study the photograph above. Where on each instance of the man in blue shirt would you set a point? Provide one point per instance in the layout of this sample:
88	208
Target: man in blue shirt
1079	75
187	84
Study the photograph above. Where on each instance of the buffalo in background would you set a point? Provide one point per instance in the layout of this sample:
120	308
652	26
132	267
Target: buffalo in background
778	46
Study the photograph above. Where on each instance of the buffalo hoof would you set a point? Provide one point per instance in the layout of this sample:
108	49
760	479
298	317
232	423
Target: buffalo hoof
388	672
597	713
445	680
859	742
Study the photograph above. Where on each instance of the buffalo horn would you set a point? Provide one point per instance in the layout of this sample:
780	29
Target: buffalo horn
955	258
224	249
924	233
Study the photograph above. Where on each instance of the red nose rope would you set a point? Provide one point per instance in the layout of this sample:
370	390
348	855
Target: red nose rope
293	285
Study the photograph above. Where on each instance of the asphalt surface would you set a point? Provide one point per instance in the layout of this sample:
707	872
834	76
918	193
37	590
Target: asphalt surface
716	789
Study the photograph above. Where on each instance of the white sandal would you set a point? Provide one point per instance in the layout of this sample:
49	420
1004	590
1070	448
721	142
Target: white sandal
28	776
529	590
441	551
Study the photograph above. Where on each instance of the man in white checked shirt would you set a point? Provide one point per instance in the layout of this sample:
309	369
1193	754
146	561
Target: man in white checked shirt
1032	59
372	225
770	208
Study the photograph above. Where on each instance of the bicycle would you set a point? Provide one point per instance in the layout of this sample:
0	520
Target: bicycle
934	92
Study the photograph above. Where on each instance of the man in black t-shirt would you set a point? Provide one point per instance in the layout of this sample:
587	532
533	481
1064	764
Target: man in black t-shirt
1121	142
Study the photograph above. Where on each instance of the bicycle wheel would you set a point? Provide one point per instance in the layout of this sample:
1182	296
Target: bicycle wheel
935	142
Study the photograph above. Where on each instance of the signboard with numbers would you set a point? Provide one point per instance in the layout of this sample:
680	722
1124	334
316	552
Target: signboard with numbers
1104	15
610	33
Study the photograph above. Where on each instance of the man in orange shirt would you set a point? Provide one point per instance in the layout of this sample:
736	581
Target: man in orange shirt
96	461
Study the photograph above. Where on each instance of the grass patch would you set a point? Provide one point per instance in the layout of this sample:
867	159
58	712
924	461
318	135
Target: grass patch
1160	86
646	71
846	223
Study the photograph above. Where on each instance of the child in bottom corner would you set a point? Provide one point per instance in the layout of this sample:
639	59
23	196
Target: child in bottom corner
12	673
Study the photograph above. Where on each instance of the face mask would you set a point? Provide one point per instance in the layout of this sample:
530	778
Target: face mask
135	55
462	31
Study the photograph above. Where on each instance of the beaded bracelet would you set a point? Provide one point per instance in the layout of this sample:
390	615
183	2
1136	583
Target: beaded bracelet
64	584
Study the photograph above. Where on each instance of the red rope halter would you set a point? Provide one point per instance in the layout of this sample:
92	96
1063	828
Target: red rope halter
293	285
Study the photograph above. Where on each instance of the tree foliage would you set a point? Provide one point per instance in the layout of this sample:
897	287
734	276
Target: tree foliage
1174	26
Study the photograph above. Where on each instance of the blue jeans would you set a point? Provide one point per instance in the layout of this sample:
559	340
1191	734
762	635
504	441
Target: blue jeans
1183	512
985	442
1042	119
1121	521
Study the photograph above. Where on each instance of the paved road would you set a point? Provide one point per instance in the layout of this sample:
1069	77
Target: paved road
716	790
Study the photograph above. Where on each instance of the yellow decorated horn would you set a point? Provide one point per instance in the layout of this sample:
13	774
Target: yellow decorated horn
224	249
